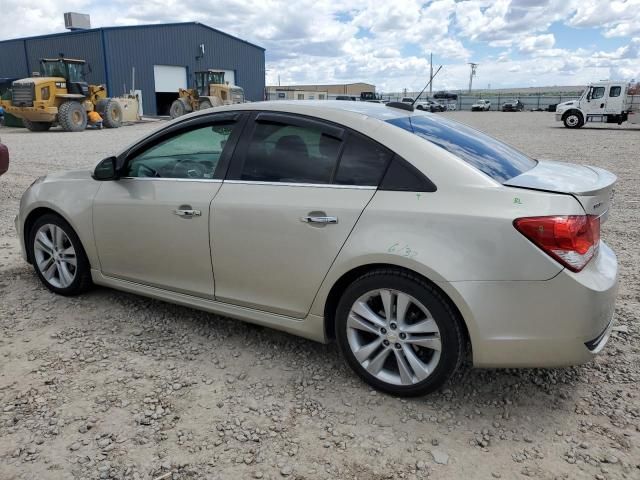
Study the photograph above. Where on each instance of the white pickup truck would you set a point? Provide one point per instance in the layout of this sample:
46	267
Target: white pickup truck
602	102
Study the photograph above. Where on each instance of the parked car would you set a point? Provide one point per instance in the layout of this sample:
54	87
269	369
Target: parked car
407	100
4	159
513	106
481	106
402	236
346	97
445	95
430	106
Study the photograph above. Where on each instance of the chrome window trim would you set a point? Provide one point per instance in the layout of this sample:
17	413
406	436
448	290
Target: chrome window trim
294	184
167	179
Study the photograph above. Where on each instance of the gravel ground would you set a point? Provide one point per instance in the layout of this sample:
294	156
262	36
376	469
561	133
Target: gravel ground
111	385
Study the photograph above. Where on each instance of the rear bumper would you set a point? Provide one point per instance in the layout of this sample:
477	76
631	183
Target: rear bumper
559	322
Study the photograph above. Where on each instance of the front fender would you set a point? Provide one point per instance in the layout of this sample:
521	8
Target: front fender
69	196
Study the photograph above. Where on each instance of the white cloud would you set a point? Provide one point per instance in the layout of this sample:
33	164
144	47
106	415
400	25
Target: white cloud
617	18
535	43
387	43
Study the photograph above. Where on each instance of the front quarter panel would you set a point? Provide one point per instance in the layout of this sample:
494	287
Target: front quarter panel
70	195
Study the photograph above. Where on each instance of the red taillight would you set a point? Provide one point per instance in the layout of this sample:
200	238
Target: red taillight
572	240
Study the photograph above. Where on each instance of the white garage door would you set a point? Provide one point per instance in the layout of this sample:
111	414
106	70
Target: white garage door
169	78
229	75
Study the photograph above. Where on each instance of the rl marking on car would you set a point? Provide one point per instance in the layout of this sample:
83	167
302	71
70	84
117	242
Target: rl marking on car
217	194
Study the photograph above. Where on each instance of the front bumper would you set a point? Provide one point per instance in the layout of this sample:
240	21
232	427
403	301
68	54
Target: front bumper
35	113
558	117
18	223
559	322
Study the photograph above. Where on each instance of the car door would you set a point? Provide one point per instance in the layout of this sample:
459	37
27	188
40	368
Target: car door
152	225
295	189
615	99
596	101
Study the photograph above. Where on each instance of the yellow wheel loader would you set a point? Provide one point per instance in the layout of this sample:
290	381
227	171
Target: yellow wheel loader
210	91
61	96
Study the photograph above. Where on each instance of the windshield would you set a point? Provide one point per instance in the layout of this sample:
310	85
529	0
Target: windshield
53	69
58	68
492	157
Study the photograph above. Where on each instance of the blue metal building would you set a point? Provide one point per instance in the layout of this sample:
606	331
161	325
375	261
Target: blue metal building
163	57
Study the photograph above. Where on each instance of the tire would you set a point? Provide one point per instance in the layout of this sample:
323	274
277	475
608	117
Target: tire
111	112
365	339
53	247
204	104
36	126
178	108
72	117
573	120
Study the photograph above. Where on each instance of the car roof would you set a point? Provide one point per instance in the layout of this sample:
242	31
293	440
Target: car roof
358	109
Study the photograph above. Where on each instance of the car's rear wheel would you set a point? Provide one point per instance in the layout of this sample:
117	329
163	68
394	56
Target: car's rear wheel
58	257
398	333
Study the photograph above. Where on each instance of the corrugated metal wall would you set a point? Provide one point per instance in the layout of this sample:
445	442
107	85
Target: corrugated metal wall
141	47
84	45
179	45
13	61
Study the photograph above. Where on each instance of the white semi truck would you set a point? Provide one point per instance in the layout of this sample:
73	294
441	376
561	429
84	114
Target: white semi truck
601	102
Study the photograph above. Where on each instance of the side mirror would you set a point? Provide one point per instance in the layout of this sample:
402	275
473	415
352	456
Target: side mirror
106	170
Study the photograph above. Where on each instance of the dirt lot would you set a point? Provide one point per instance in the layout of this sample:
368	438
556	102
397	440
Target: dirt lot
111	385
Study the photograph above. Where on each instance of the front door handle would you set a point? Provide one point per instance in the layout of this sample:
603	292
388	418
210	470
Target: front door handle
321	220
187	212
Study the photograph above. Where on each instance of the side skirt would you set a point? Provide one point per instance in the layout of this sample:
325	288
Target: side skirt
311	327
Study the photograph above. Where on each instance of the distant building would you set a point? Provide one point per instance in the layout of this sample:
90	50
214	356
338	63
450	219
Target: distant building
319	92
164	57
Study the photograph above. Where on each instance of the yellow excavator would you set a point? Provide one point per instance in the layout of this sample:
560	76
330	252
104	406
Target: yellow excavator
61	96
210	90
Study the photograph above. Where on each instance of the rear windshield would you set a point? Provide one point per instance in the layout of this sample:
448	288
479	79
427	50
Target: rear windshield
496	159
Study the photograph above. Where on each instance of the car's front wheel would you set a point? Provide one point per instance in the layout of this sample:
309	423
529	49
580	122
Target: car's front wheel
58	257
398	333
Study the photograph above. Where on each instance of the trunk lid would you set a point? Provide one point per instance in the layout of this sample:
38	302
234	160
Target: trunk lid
593	187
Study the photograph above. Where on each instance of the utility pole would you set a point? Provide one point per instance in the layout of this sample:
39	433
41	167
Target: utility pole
472	74
430	74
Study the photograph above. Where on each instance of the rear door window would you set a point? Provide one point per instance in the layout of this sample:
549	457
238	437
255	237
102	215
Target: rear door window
492	157
290	153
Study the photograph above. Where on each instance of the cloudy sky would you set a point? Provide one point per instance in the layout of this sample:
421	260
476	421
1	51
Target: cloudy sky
515	42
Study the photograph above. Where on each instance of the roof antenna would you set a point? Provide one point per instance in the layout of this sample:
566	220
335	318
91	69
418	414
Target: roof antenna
425	87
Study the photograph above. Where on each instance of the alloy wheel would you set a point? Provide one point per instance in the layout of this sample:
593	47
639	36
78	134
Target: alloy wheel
394	337
55	256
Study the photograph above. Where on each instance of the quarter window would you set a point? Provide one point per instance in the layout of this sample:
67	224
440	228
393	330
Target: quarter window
290	153
363	162
615	91
192	155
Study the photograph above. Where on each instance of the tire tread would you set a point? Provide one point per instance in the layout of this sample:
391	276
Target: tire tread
444	301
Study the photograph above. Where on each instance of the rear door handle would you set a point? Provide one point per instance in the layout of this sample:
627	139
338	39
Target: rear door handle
321	220
187	213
